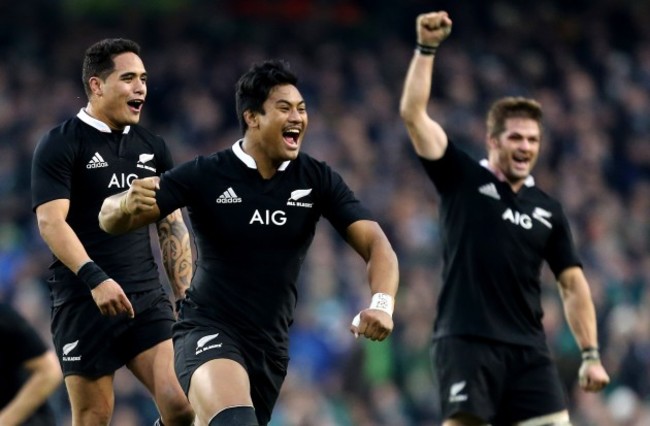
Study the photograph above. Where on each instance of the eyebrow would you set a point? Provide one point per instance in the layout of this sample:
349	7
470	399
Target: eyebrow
284	101
132	74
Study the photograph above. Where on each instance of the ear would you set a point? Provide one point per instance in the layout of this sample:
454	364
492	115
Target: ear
96	86
251	119
491	142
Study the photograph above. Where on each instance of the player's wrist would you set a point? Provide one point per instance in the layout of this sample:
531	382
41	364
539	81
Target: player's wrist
426	49
590	354
382	302
91	274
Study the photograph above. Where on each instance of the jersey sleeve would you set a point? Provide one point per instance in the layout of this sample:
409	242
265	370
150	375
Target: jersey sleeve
447	171
166	159
560	250
16	333
340	206
176	187
51	169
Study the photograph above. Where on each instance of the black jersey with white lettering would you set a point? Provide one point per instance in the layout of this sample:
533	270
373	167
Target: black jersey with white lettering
252	234
494	244
83	161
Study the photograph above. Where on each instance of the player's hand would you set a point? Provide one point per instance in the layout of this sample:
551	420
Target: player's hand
373	324
592	376
111	299
141	196
432	28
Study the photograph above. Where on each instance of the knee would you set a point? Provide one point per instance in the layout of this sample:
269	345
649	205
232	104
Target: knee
242	415
177	412
92	416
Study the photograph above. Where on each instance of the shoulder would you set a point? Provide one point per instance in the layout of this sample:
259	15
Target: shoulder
148	136
61	138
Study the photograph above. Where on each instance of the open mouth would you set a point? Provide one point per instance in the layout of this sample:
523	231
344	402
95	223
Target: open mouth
136	104
521	162
291	136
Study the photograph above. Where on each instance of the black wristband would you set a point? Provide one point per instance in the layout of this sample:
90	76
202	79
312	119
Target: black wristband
590	354
92	275
426	50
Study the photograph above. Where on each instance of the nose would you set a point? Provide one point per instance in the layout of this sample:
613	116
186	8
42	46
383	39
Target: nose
295	116
140	87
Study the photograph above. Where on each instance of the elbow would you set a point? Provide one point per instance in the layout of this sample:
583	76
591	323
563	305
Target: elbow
46	226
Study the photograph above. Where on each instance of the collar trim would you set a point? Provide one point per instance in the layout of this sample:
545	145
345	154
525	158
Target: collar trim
99	125
250	161
529	181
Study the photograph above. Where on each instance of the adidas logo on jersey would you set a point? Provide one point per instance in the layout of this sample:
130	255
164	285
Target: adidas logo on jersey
229	197
96	162
490	190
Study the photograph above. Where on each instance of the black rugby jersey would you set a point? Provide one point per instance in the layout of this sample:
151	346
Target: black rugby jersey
494	244
252	234
20	343
83	161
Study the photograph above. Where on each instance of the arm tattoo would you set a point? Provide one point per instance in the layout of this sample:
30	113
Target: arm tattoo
176	252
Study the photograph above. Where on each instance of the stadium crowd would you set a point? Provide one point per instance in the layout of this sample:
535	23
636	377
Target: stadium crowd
588	63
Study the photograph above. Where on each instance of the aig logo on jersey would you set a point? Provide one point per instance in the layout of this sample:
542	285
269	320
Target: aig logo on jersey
525	221
299	194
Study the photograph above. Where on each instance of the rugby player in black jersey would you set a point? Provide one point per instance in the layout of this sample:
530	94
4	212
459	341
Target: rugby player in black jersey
109	306
29	373
490	358
254	209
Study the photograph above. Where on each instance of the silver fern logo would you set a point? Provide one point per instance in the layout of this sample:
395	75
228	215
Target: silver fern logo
67	348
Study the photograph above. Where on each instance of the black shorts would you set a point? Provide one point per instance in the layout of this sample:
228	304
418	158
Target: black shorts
198	339
497	382
93	345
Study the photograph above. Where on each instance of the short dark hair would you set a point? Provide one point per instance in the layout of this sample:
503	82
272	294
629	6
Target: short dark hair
98	60
509	107
254	86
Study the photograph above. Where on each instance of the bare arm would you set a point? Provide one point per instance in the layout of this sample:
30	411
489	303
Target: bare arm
131	209
59	236
581	316
176	252
368	239
45	377
66	246
427	136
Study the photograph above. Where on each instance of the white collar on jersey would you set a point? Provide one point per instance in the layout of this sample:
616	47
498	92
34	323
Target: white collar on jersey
99	125
250	161
530	181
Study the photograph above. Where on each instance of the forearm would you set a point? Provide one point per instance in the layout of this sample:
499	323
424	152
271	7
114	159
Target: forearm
176	252
41	384
580	314
112	216
382	269
417	87
64	244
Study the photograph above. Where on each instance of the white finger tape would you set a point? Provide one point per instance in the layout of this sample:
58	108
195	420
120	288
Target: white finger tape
357	320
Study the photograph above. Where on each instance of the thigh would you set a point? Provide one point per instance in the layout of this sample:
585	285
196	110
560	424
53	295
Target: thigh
91	399
468	374
218	384
155	368
534	387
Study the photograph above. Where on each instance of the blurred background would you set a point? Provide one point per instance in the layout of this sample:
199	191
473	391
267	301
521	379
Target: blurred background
587	62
